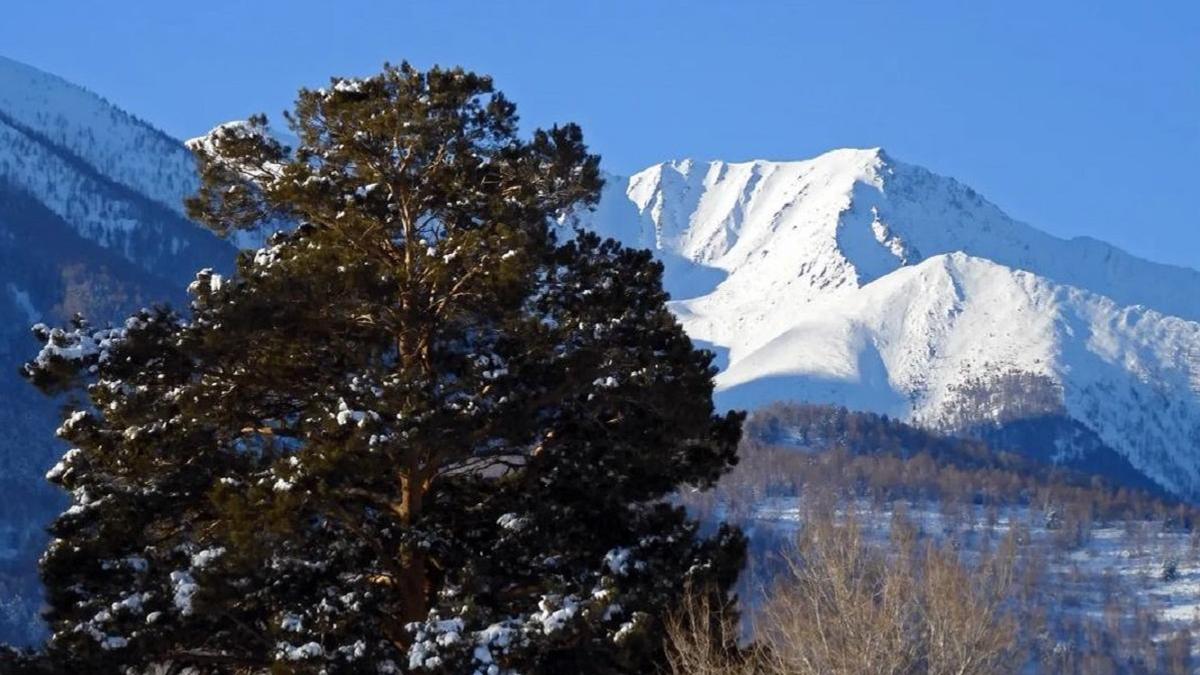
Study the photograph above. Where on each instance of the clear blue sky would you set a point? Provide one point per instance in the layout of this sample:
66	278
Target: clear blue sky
1078	117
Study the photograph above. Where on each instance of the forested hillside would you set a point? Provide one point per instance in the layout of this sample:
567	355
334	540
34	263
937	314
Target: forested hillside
91	222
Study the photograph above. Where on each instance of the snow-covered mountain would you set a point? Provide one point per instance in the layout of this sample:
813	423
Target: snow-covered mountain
114	179
91	221
856	279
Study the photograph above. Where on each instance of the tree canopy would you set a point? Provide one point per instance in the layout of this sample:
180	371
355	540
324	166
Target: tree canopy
426	427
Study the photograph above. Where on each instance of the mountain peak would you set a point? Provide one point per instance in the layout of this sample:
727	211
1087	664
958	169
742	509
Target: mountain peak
847	217
862	158
857	279
858	162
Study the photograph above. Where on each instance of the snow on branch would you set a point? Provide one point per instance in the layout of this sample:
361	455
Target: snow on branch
81	344
225	145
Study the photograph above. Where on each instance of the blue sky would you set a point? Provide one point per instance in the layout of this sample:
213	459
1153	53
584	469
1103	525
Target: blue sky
1082	118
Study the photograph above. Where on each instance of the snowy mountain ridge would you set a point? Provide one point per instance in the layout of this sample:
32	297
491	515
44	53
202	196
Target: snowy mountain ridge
856	279
119	182
91	221
118	145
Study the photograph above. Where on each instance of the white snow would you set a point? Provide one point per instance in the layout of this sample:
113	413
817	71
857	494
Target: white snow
207	556
131	603
308	650
78	344
555	612
434	633
858	280
60	468
348	85
625	631
236	131
512	522
185	587
617	560
345	415
68	424
115	180
116	143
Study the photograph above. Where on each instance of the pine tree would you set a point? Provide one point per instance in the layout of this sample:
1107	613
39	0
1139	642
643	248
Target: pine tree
428	429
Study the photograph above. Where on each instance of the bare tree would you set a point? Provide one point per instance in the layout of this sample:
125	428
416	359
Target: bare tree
847	606
702	639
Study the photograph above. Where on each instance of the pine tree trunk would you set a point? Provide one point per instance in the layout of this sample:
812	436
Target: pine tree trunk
414	585
414	563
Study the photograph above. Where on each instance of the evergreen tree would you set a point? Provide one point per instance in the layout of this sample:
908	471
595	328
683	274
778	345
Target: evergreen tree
422	431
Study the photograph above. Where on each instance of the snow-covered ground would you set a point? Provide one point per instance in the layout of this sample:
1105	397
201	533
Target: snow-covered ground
1111	576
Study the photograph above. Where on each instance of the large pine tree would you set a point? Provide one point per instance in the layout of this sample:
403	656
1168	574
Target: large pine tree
425	430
